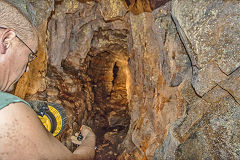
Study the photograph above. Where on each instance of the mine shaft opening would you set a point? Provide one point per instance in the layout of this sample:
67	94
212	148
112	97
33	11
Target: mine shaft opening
128	2
96	97
110	117
115	72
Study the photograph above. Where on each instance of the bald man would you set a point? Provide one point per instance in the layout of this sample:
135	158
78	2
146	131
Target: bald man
22	135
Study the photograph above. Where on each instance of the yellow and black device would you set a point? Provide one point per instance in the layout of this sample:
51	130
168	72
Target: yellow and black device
52	115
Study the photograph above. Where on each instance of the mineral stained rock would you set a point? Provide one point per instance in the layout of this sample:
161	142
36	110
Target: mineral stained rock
34	80
140	6
153	104
209	125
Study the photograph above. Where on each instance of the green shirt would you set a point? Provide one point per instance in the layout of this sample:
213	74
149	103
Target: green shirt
6	99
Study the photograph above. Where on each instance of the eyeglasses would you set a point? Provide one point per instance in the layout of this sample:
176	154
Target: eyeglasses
32	55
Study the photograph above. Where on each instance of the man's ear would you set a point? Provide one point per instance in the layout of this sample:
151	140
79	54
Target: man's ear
6	38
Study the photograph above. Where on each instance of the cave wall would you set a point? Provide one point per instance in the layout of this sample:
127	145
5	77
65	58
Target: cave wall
158	63
154	79
209	127
34	80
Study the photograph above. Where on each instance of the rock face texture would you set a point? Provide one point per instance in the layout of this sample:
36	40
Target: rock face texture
154	79
153	104
34	80
139	6
209	127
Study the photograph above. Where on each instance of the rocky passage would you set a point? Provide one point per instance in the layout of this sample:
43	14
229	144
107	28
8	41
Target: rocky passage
155	79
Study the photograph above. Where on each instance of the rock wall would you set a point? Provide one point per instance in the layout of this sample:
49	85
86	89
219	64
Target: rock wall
209	125
34	80
154	79
140	6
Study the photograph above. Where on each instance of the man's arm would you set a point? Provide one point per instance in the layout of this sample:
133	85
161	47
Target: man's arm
22	136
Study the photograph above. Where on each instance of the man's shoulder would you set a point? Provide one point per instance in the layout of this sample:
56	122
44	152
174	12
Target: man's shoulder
23	135
18	126
15	110
6	99
14	117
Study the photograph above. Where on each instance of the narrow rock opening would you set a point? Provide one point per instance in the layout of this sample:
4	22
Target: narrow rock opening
110	118
128	2
115	72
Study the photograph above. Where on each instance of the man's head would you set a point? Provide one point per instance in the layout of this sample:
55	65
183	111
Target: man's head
18	39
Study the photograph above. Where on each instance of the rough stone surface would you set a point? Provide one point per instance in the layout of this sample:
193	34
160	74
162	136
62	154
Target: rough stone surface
212	31
207	78
232	85
140	6
34	80
153	105
174	59
216	135
209	125
112	9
